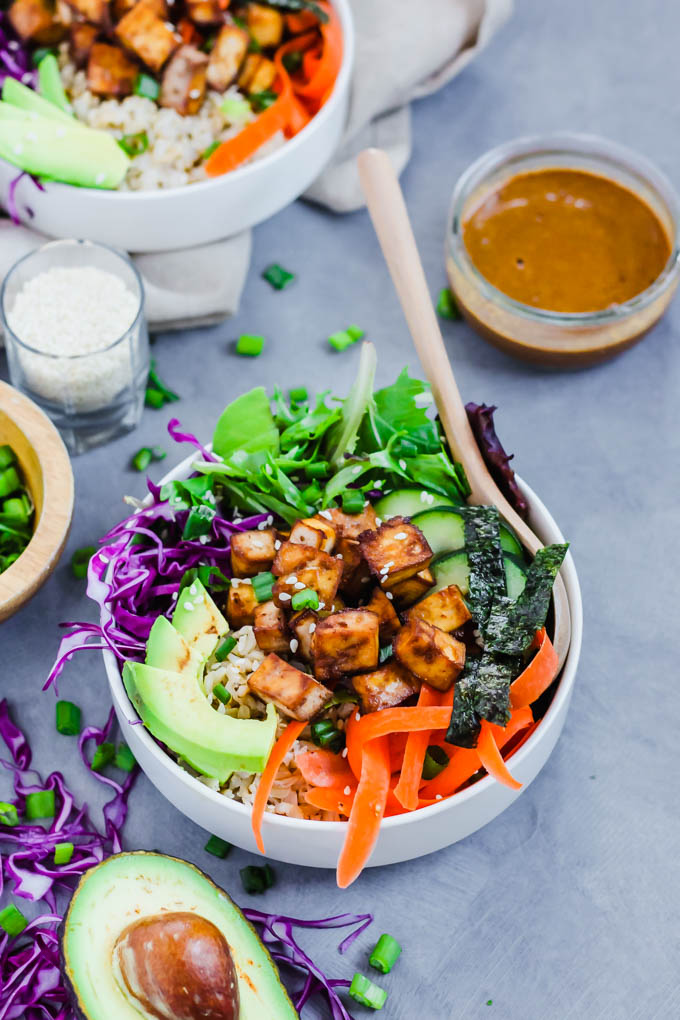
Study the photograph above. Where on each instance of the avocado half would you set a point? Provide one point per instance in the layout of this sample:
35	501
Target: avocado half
129	886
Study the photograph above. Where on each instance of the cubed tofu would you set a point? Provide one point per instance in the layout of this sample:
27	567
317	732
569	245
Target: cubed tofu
271	632
82	38
433	656
295	693
183	86
385	687
110	72
413	588
313	569
303	626
396	551
97	12
352	525
204	12
315	532
226	56
444	609
147	35
346	642
241	604
264	24
252	552
263	77
331	607
349	551
121	7
289	556
388	620
35	20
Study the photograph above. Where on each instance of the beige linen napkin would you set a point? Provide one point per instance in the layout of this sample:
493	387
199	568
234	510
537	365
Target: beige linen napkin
402	53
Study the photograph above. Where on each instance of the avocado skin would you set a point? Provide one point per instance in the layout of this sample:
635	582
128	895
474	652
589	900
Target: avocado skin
74	998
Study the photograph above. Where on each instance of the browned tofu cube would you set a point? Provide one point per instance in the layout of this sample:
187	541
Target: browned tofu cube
346	642
252	552
385	687
241	604
349	551
183	85
388	620
331	607
396	551
315	532
82	38
264	24
147	35
303	626
226	56
352	525
263	77
110	72
35	20
271	632
435	657
313	569
204	12
289	556
407	592
295	693
95	11
444	609
121	7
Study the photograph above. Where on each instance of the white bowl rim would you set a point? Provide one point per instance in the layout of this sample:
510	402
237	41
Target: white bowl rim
561	696
112	195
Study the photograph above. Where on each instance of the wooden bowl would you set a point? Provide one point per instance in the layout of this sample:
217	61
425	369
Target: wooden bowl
47	470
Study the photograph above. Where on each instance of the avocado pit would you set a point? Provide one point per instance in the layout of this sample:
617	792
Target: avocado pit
177	966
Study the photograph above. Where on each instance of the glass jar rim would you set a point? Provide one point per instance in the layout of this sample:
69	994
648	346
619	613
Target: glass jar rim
73	242
511	154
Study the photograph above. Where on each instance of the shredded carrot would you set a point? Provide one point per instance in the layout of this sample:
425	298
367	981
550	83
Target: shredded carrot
397	747
278	753
320	767
326	71
492	759
332	798
367	810
296	23
411	777
538	675
187	30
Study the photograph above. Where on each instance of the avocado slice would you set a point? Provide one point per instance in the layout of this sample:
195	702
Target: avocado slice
23	98
174	708
51	86
131	886
198	619
167	649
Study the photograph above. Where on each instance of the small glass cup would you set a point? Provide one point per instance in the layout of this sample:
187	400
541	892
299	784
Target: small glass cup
90	397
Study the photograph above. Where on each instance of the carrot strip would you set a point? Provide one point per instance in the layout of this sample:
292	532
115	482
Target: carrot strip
278	753
463	764
323	768
388	721
397	747
491	757
367	811
296	23
330	60
538	675
411	777
332	798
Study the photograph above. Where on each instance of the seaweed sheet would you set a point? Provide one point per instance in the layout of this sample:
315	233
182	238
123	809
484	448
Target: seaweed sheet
511	626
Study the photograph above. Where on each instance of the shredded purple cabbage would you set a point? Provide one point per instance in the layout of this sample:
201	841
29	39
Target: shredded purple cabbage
496	459
15	56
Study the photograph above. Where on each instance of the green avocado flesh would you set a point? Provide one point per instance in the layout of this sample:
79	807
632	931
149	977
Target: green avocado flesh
198	619
128	887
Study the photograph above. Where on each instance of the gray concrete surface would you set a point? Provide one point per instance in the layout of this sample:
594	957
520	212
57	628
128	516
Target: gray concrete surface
565	907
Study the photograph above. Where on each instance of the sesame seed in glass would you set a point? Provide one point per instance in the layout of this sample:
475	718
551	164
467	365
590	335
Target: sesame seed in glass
76	337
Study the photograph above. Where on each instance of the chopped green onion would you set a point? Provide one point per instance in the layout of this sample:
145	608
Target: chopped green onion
435	761
103	756
207	153
134	145
63	852
12	920
385	653
298	394
158	453
17	507
312	494
222	694
40	804
257	880
212	577
355	332
263	100
341	696
125	759
353	501
345	337
156	383
146	86
80	561
68	719
42	52
305	599
318	469
292	61
8	814
446	305
249	346
385	954
279	278
9	482
217	847
142	459
198	523
254	47
263	585
324	734
7	456
224	649
366	992
235	109
154	398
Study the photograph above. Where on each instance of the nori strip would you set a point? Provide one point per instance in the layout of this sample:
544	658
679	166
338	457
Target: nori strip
511	628
485	557
483	692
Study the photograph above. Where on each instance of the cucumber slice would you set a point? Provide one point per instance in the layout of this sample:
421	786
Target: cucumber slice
444	529
510	542
453	568
515	577
406	502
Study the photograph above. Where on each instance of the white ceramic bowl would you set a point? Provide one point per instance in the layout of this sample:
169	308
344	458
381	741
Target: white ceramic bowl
164	220
402	837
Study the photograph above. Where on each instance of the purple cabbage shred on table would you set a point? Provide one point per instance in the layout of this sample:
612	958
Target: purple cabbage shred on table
496	459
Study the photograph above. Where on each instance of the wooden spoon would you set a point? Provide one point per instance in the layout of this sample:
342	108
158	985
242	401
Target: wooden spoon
391	222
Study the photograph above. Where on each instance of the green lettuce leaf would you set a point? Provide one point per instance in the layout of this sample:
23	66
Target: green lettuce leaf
246	424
